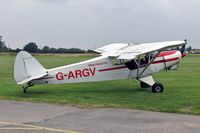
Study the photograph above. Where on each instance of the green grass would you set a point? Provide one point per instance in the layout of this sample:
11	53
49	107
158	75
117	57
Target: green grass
182	88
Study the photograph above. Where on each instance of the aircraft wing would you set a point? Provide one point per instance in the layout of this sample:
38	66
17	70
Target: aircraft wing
131	51
111	48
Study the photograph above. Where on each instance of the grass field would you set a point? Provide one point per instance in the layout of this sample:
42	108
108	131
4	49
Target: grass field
182	88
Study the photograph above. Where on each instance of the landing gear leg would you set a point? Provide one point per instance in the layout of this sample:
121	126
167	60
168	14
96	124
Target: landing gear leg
26	87
144	85
147	82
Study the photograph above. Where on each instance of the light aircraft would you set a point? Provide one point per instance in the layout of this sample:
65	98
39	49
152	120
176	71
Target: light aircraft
117	61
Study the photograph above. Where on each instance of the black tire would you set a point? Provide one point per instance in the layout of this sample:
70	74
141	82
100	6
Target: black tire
144	85
157	88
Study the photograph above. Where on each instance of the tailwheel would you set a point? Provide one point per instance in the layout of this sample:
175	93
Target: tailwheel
144	85
157	88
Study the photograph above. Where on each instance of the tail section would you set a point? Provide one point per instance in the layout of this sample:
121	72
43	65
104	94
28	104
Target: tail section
27	68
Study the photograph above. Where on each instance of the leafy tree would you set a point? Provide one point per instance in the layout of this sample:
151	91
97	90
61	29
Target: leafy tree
3	46
53	50
75	50
91	51
189	48
45	49
61	50
31	47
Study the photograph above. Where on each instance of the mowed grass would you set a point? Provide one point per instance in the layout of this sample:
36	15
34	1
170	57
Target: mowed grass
182	88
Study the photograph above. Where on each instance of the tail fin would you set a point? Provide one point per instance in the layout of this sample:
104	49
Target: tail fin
27	68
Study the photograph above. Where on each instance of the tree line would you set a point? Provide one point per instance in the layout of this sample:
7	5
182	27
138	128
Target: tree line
32	47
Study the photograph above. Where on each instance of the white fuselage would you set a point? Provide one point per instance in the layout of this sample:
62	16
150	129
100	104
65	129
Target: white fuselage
102	68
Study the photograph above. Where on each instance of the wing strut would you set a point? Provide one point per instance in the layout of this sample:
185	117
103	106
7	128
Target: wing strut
138	64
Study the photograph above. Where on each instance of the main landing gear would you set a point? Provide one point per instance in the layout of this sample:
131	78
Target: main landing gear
155	88
148	82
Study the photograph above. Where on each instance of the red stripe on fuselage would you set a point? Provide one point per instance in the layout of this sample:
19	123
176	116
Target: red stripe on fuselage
166	53
113	68
122	67
167	60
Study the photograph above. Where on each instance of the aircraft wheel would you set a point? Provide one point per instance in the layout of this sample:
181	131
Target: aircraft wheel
157	88
144	85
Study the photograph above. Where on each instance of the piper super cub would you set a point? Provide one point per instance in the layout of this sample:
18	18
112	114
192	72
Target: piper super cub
117	61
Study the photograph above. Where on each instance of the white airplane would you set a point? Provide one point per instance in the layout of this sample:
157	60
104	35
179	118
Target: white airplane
117	61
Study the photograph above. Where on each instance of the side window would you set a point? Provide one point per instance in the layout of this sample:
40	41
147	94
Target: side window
146	58
116	61
143	59
153	54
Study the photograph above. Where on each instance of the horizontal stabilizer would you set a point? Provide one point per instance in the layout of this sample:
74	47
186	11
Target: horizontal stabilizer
31	78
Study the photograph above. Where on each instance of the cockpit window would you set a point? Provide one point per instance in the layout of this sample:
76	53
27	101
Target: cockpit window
143	60
132	64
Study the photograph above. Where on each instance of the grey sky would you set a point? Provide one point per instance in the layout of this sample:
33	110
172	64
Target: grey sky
83	23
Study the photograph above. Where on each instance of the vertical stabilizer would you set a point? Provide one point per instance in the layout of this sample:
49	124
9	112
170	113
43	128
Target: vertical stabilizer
27	68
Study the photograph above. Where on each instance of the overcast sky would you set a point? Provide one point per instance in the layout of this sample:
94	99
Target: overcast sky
85	23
